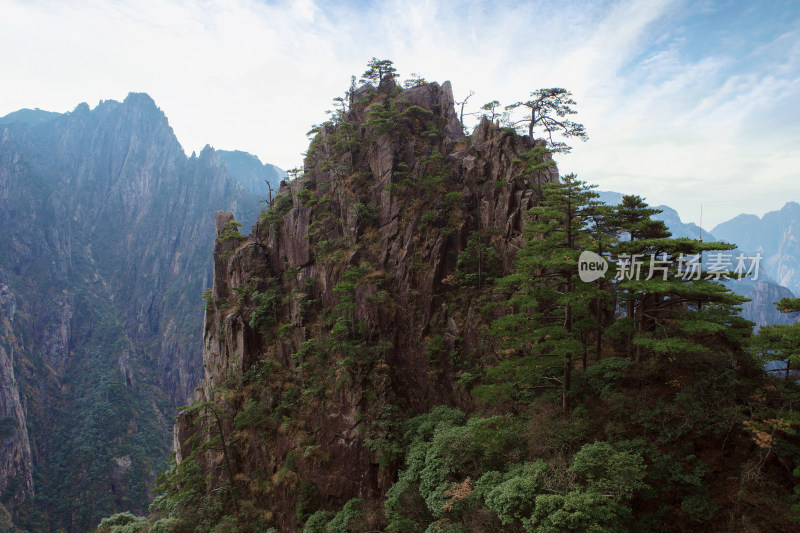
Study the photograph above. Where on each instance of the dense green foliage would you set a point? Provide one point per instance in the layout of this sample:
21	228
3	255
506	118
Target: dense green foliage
779	345
119	432
548	313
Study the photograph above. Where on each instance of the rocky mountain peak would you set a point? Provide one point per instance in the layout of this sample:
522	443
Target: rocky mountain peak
344	283
141	100
776	235
221	220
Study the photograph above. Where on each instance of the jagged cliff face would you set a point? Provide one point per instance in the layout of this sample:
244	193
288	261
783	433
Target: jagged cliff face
761	308
107	227
776	236
16	480
346	308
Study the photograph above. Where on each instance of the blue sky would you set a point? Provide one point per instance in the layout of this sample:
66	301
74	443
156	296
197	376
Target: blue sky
685	103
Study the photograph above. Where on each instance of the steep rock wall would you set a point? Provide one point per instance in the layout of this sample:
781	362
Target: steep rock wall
16	466
346	307
107	235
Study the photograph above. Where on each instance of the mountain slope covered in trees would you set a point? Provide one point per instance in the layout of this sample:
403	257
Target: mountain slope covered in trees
404	343
107	235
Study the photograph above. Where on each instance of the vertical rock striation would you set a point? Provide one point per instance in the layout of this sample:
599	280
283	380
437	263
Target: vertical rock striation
345	307
107	233
16	466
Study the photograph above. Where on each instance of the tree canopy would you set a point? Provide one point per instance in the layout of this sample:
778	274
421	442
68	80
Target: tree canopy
549	110
378	70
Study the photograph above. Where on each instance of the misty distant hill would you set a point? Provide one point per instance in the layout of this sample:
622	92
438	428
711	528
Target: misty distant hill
250	172
776	235
29	116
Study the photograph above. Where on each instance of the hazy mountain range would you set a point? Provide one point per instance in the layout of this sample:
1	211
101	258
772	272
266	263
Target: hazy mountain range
105	250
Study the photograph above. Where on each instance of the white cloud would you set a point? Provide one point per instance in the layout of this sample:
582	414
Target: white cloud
255	75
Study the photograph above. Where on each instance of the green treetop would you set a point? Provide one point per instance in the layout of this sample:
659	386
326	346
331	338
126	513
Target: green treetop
549	109
550	306
378	70
780	342
673	306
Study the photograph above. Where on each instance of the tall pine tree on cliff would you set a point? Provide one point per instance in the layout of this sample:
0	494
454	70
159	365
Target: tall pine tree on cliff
674	307
550	307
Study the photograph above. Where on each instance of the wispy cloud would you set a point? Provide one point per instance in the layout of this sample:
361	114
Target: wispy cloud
712	128
683	103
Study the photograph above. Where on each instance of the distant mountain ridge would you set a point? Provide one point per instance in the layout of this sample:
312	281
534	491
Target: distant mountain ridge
776	235
107	235
247	168
29	116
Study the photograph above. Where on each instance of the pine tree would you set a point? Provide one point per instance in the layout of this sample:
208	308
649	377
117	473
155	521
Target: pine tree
378	70
790	306
780	342
479	262
549	109
673	306
604	238
549	305
632	219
